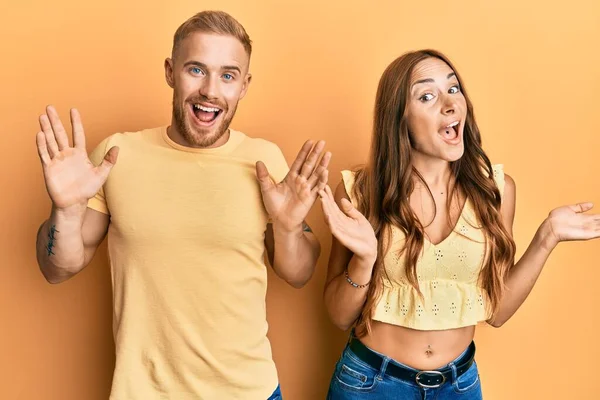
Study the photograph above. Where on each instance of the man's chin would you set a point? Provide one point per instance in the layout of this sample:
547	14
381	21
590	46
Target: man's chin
203	137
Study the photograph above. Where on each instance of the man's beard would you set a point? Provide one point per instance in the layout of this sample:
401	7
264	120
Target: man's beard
192	136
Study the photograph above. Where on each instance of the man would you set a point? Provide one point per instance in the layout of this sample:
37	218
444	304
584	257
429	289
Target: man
188	226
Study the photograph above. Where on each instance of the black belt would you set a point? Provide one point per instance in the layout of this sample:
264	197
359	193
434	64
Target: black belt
427	379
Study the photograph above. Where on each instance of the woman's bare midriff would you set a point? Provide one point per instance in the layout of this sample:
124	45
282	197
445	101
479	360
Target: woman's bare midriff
422	350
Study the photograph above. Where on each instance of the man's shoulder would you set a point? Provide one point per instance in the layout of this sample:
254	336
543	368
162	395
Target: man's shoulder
146	135
257	146
130	139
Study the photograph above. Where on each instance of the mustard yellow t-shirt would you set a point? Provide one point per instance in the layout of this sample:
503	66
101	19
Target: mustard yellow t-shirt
186	249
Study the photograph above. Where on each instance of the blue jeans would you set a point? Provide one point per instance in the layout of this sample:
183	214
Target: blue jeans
276	394
353	379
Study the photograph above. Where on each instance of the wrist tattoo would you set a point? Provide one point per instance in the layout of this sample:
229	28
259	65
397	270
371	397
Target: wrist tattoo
51	239
306	228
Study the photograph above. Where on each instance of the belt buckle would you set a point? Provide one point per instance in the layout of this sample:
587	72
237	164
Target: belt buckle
430	372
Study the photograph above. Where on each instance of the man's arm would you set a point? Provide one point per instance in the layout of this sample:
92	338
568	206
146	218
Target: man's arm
67	241
293	254
292	248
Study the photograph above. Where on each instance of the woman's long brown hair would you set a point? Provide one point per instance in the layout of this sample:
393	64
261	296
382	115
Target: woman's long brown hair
383	186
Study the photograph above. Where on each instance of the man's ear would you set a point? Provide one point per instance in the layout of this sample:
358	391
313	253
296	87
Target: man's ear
169	72
247	80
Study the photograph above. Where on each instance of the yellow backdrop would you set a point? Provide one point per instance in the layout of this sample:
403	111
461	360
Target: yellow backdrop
531	69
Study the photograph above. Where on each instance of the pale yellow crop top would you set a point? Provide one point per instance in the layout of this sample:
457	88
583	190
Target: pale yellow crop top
447	273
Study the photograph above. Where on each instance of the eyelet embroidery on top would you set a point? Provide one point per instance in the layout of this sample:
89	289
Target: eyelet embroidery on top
451	266
404	310
439	254
396	257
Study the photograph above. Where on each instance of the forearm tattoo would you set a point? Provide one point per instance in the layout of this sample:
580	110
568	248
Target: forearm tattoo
51	239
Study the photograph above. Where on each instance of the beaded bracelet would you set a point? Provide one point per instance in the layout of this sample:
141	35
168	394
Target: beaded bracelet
356	285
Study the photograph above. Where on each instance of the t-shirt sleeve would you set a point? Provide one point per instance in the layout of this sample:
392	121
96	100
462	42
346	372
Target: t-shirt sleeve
98	202
277	165
348	178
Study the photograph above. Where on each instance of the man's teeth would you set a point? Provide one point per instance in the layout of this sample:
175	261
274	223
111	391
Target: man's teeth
205	109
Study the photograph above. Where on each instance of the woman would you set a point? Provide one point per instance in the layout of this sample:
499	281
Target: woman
422	242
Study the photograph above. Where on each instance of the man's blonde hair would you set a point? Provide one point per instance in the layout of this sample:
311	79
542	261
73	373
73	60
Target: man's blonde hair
217	22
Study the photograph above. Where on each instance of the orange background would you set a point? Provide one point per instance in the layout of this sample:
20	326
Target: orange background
531	68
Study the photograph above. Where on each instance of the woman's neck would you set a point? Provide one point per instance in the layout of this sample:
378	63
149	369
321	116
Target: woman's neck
435	172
